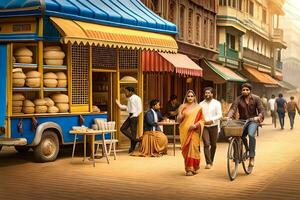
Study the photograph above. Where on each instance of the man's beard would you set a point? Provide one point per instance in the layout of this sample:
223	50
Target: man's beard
208	98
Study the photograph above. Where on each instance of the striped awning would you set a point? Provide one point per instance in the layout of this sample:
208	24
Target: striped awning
219	74
115	37
168	62
260	77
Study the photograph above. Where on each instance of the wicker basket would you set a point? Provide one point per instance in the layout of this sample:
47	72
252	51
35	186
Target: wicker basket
53	109
52	48
16	109
18	82
28	110
24	59
63	107
40	102
23	51
17	103
233	131
50	83
54	61
60	98
18	97
49	102
41	109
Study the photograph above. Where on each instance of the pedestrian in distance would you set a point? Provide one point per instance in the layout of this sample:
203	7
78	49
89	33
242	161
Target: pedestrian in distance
291	109
191	123
281	108
249	106
134	108
271	105
212	113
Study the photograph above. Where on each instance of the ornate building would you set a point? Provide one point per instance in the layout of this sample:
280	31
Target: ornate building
196	38
250	43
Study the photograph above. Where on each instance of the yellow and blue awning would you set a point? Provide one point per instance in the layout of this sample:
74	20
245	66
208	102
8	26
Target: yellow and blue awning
73	31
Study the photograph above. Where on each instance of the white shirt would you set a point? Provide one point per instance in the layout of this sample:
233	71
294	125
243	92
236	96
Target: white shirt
272	104
212	111
155	118
134	105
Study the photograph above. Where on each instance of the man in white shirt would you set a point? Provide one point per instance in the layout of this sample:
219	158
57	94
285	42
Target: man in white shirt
212	114
271	103
134	108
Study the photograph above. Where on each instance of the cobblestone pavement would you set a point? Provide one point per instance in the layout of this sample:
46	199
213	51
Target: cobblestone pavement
276	174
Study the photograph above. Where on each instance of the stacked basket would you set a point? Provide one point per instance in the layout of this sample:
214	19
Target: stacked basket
50	80
33	79
23	55
53	55
28	107
40	106
17	103
61	101
62	79
18	78
51	107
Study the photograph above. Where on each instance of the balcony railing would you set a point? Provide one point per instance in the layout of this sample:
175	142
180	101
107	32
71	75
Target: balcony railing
277	34
227	52
256	57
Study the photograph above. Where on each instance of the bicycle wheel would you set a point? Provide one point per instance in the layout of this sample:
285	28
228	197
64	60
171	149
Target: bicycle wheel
246	160
232	159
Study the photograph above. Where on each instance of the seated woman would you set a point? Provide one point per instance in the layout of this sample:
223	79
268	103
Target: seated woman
154	142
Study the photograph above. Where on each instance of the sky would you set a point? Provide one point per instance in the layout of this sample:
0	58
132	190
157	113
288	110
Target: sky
292	11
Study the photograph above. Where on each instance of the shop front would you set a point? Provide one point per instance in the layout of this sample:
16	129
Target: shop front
71	57
166	74
263	83
225	81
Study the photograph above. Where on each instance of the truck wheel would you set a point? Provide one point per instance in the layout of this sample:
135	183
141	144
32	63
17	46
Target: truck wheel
48	148
22	149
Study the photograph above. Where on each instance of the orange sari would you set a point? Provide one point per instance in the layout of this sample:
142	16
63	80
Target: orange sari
190	140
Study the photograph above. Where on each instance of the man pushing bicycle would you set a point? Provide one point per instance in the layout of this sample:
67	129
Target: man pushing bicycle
249	107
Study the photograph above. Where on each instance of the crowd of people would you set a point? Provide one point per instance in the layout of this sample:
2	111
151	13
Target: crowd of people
200	120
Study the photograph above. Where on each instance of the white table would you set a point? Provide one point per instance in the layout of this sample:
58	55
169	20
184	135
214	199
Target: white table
93	133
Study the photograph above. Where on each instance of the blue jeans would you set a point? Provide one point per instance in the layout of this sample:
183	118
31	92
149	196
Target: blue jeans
292	118
281	116
250	130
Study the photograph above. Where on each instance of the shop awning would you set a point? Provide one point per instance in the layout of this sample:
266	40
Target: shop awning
260	77
132	14
167	62
95	34
219	74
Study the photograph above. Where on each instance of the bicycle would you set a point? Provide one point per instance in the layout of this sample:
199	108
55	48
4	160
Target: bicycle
238	150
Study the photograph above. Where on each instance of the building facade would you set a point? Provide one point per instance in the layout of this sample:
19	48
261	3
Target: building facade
250	42
196	38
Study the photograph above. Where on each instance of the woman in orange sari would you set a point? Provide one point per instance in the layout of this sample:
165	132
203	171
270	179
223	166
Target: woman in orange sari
191	123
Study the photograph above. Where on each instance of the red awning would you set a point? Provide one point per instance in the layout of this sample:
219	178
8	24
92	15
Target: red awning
167	62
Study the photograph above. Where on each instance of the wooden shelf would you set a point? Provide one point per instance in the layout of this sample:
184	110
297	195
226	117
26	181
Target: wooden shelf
25	65
55	67
55	89
26	89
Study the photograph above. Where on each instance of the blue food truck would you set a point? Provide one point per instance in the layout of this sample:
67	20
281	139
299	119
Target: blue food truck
61	64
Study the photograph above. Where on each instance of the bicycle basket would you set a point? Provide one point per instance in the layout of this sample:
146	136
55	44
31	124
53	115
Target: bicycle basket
234	129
